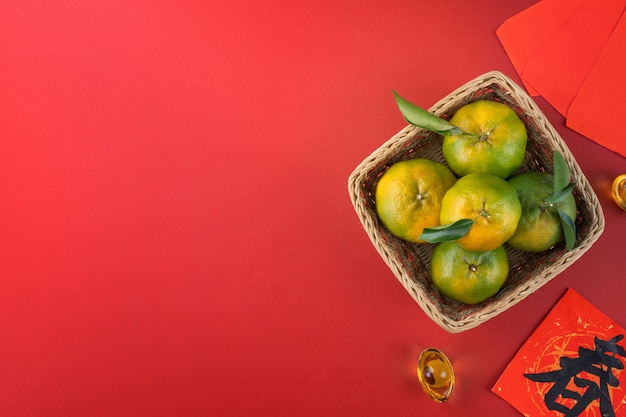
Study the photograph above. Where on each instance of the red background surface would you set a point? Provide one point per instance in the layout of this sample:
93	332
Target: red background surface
176	233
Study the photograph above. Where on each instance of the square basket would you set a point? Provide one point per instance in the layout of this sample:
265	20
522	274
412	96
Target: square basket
410	262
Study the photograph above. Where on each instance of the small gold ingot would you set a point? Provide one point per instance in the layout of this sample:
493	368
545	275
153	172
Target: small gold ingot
619	191
435	374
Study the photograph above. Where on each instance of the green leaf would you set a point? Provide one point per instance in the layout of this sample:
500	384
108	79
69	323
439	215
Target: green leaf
569	229
448	232
560	195
561	172
422	118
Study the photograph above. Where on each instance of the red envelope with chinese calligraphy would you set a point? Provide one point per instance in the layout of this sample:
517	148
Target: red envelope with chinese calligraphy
572	365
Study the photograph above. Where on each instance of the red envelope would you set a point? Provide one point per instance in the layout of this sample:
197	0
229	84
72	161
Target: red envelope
573	53
559	67
572	365
599	107
525	33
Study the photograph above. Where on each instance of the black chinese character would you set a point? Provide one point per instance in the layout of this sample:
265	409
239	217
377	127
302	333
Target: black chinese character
600	363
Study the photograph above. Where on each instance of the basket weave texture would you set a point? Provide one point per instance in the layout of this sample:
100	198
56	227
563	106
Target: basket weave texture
410	262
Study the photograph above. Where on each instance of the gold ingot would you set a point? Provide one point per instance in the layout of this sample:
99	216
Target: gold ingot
435	374
619	191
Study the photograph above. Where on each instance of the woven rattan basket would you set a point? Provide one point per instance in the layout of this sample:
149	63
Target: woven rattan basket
410	263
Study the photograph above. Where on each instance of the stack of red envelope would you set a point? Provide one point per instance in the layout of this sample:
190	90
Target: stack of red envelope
573	53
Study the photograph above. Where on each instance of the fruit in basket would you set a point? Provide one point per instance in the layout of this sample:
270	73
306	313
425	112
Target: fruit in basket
548	209
481	137
494	141
488	138
540	225
469	277
408	196
491	206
